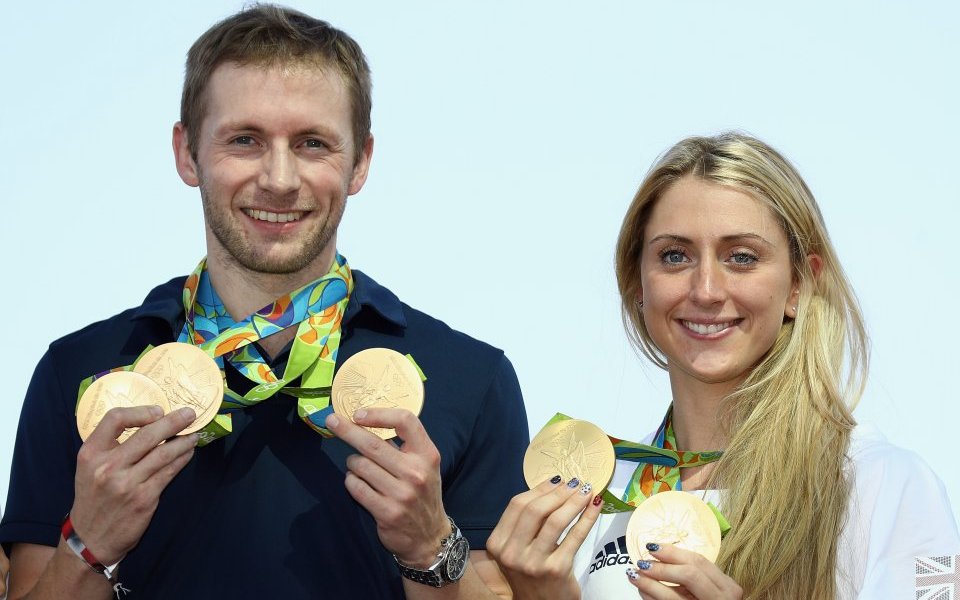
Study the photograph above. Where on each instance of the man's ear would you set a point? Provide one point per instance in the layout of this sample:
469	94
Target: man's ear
186	166
362	167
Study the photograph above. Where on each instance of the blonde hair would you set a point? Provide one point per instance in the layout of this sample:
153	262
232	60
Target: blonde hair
783	470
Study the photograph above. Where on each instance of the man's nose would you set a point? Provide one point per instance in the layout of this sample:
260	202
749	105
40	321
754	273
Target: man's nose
279	175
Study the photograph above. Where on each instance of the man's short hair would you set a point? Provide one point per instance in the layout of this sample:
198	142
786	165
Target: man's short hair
267	35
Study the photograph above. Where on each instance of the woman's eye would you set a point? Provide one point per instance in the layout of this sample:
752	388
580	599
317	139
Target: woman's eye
743	258
672	257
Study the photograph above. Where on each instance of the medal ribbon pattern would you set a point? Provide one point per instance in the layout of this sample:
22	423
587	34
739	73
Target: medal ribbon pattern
658	469
316	309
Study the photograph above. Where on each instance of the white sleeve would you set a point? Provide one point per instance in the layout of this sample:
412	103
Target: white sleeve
898	510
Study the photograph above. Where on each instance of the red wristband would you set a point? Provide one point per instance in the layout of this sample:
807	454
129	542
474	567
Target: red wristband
80	549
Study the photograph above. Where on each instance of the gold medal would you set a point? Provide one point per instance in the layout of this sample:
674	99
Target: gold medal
676	518
121	389
570	448
377	378
188	377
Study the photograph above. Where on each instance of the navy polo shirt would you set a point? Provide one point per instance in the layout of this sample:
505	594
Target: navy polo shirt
263	513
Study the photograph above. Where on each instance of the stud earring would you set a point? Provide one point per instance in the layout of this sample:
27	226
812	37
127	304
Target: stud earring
640	304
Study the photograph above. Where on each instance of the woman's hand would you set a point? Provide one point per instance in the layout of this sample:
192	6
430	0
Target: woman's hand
697	577
526	542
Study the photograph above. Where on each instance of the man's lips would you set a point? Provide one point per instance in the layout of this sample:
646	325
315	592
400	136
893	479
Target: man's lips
273	217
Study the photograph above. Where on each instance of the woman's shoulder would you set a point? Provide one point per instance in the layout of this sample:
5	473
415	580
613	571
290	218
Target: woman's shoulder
877	462
899	510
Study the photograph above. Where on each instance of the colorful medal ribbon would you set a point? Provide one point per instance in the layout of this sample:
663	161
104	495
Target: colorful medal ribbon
658	469
317	308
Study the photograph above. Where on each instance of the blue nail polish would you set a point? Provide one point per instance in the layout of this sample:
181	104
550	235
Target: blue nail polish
643	565
556	479
653	547
632	573
573	483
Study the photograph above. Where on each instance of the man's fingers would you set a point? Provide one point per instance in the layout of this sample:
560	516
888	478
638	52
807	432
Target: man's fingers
162	477
149	437
105	434
408	426
379	451
162	456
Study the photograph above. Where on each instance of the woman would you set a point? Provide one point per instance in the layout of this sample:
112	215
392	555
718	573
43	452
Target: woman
729	281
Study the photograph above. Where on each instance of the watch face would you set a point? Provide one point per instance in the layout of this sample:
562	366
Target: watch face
457	561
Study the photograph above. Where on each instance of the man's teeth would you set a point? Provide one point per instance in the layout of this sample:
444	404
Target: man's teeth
262	215
705	329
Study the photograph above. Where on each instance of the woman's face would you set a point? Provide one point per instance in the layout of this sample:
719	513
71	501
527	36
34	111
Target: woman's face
717	281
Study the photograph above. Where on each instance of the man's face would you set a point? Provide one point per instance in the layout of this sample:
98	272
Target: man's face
275	164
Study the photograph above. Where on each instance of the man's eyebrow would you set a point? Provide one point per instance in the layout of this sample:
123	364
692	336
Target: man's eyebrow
733	237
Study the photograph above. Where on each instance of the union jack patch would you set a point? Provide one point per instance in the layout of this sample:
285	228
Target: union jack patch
938	577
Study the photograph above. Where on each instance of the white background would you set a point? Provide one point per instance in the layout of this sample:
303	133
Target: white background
510	138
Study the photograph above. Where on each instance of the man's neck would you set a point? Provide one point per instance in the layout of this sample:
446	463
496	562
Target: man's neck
244	292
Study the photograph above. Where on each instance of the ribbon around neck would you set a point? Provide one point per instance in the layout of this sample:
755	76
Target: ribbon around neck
316	309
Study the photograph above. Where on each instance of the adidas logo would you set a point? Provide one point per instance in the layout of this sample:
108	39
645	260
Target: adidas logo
613	554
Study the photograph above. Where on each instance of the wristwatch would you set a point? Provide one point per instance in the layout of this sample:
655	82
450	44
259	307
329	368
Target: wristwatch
450	565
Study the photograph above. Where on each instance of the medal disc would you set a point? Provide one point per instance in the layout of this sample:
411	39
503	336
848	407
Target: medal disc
188	377
117	390
377	378
677	518
571	448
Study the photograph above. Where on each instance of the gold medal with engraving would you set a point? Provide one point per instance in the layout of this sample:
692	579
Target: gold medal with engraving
188	377
121	389
677	518
571	448
377	378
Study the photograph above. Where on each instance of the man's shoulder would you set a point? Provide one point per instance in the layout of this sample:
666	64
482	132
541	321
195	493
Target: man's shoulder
429	339
122	331
416	322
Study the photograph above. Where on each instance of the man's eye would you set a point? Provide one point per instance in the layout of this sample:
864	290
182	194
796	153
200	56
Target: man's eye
314	143
244	140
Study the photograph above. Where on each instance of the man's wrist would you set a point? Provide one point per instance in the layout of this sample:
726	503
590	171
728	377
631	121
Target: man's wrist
428	552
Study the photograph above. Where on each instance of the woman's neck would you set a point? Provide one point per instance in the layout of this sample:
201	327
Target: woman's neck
696	414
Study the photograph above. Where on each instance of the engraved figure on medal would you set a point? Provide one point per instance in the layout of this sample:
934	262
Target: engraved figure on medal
569	457
183	388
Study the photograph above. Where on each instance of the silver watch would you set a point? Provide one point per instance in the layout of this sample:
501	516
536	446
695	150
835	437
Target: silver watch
450	564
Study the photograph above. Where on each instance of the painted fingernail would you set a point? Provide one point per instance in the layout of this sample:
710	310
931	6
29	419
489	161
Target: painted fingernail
573	483
597	500
556	479
586	489
632	573
643	565
360	414
653	547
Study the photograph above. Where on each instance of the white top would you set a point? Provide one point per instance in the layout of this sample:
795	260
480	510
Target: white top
898	510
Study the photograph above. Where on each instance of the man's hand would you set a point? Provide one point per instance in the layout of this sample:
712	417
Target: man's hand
118	485
399	486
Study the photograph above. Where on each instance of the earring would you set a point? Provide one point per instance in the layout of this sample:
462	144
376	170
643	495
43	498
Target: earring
640	304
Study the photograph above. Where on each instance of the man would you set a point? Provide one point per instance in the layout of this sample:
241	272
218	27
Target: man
274	131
